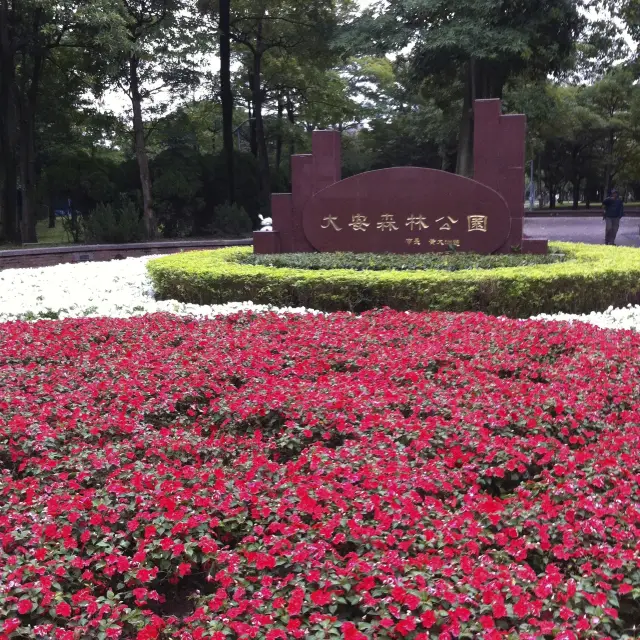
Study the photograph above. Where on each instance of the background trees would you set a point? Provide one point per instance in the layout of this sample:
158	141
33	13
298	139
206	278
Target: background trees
220	93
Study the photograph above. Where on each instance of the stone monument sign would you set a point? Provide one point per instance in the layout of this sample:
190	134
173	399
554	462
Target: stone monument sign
407	209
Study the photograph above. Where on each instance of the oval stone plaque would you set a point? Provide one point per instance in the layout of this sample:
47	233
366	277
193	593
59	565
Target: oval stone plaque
407	210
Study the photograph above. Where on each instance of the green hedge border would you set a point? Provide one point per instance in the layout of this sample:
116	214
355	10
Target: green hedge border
591	279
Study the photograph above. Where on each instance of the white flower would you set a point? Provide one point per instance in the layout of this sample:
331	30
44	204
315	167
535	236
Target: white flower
623	318
119	289
122	288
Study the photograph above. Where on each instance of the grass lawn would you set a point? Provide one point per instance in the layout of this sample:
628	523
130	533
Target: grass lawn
46	236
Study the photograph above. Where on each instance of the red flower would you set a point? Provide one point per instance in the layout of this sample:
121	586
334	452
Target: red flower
521	608
418	457
10	625
24	606
428	619
321	597
487	622
350	632
405	627
499	611
295	603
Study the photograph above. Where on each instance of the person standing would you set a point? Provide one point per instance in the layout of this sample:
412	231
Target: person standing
613	212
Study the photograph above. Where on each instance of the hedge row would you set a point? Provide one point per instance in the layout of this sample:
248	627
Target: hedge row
591	279
450	261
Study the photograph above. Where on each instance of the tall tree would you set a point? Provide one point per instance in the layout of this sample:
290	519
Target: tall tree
220	13
226	92
611	100
31	31
282	27
484	43
152	51
10	230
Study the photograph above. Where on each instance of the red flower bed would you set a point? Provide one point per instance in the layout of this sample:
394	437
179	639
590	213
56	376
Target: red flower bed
391	476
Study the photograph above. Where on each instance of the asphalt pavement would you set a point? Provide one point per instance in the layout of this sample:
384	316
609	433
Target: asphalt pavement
588	230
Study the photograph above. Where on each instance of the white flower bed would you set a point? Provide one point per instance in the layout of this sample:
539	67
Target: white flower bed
623	318
122	288
119	289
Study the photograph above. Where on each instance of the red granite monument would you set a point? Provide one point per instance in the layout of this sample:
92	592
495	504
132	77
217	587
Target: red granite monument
407	209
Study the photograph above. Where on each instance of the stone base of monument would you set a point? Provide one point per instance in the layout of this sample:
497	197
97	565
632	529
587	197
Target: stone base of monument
266	242
538	247
407	209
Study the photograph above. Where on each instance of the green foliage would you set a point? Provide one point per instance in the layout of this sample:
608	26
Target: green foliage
397	262
231	220
507	37
114	224
215	186
177	190
591	279
73	229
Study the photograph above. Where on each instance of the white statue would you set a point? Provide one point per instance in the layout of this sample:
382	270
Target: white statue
265	224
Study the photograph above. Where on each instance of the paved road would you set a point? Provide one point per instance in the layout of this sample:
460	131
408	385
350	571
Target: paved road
589	230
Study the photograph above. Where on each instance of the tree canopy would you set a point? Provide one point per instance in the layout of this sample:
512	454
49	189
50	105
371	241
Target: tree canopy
219	94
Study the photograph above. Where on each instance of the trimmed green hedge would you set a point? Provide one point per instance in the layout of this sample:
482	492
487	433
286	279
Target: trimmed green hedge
592	278
450	261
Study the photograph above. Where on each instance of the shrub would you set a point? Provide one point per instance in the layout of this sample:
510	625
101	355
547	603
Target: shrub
590	279
391	476
231	220
177	191
116	224
73	227
216	188
397	262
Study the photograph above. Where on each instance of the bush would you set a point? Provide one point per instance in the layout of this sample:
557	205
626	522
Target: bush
117	224
216	190
231	220
590	279
398	262
177	191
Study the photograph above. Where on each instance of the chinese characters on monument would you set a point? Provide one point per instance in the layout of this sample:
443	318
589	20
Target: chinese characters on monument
414	223
407	209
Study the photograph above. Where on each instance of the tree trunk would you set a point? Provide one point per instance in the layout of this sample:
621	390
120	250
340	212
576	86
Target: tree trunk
607	167
291	116
481	82
10	230
253	137
442	152
28	181
464	163
540	191
280	125
141	149
28	176
263	155
226	96
552	197
576	192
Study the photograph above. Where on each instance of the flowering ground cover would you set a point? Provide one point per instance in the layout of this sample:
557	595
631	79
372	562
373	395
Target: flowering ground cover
394	475
118	288
123	288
